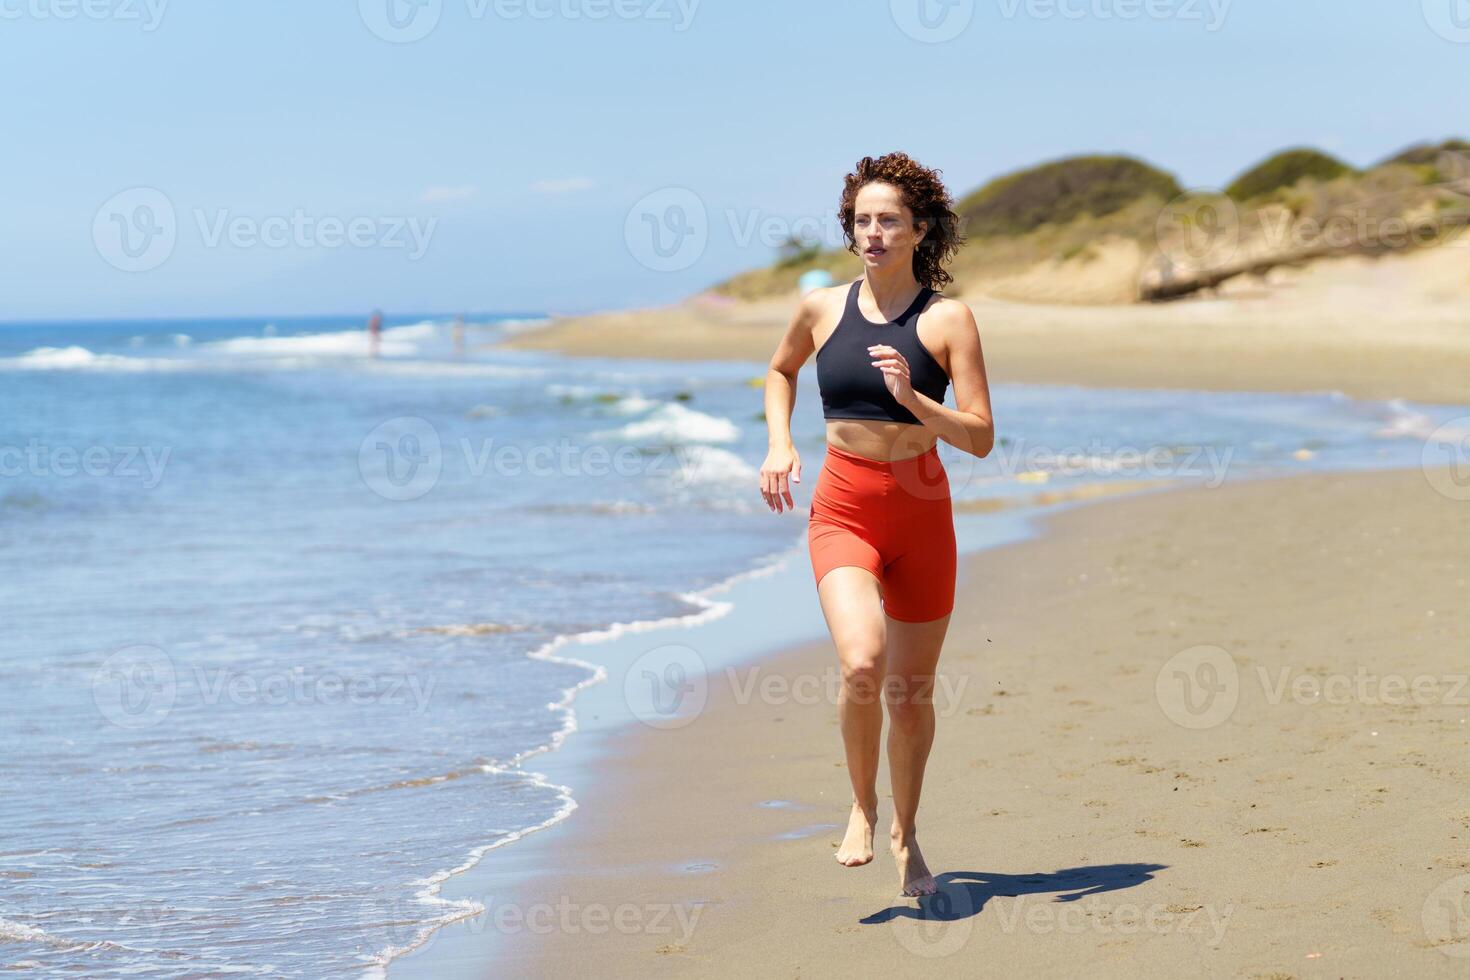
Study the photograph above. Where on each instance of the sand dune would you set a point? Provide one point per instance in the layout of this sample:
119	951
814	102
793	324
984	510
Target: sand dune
1393	326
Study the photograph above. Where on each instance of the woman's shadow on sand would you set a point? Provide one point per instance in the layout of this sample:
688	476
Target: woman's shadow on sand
962	894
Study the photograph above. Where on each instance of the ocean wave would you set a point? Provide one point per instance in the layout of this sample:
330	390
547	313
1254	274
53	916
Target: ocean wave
706	609
1402	421
572	391
633	404
708	464
16	932
629	404
674	425
76	358
395	341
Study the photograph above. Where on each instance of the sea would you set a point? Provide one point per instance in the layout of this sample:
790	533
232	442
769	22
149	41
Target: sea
289	623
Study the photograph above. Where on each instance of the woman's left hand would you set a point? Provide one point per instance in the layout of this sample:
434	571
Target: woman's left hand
895	368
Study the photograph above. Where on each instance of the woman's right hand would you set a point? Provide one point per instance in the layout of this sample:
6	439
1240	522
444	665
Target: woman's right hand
780	462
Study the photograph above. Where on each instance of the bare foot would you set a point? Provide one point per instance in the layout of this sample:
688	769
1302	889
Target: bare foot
913	873
857	845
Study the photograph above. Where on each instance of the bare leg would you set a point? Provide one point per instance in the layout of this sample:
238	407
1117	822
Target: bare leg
913	654
850	602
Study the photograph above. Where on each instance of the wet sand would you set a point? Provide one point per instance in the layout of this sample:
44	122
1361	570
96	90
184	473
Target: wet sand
1216	732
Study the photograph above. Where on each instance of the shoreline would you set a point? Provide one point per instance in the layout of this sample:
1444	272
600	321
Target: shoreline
737	856
1393	327
607	710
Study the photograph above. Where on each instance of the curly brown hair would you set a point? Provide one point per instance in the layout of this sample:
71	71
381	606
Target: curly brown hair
923	193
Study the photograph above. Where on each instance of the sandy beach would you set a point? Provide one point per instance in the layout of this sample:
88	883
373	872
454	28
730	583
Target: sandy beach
1195	732
1214	732
1373	328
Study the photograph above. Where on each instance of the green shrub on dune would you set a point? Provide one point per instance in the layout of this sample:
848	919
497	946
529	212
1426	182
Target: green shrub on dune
1427	154
1059	192
1097	216
1286	169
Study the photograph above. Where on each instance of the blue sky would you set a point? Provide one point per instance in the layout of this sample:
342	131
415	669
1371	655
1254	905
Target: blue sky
532	142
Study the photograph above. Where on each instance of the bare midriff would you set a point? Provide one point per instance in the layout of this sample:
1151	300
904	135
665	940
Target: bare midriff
877	439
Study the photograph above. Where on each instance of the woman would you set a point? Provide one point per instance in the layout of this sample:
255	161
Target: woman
881	530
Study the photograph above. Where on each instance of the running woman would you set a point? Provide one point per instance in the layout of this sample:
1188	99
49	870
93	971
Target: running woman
881	528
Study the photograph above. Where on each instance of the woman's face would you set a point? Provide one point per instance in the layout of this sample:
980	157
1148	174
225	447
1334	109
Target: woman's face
883	227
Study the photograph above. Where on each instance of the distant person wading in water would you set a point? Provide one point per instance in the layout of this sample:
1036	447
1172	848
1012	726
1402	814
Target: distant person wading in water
375	332
881	528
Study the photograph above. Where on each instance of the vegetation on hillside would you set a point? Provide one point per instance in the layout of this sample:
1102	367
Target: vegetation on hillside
1041	232
1429	154
1058	192
1285	169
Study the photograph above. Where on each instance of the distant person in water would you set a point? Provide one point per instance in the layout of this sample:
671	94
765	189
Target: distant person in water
375	332
459	334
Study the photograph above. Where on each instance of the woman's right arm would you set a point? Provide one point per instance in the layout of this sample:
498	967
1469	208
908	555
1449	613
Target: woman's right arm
782	460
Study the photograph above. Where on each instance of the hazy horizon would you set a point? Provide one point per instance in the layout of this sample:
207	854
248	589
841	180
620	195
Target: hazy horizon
296	161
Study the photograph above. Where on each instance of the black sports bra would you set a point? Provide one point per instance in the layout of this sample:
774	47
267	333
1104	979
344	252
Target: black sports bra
851	387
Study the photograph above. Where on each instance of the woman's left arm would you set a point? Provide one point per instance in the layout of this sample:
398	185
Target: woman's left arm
968	426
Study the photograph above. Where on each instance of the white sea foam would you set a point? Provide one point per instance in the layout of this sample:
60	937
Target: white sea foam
1404	422
709	609
571	391
15	931
76	358
709	464
395	342
673	425
633	404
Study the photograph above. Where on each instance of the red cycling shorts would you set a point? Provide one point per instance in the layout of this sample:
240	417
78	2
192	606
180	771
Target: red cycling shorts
893	518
